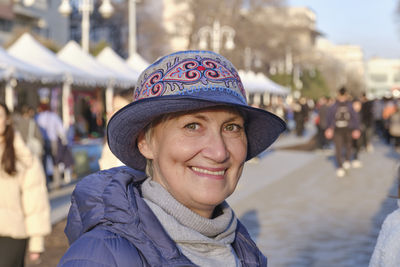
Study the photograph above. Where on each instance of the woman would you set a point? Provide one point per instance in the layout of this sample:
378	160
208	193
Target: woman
24	207
191	129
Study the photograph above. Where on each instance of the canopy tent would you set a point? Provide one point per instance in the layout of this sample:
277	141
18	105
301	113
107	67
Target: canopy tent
110	59
73	54
113	61
275	87
259	83
27	49
137	62
12	67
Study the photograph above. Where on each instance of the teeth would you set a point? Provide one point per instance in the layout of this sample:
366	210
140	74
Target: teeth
208	172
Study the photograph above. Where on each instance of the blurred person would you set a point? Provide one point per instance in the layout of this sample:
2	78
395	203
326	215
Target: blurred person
52	130
377	108
343	126
367	122
300	114
389	108
192	130
356	142
321	122
24	206
25	124
108	159
387	248
394	128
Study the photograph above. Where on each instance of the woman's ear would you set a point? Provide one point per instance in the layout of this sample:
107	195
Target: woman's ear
144	146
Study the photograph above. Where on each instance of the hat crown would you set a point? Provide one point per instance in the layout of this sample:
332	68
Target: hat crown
189	73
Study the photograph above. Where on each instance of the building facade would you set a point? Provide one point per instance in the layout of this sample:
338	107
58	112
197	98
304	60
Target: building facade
37	16
382	76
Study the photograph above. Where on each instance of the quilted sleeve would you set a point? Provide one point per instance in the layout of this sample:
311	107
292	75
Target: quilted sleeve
100	247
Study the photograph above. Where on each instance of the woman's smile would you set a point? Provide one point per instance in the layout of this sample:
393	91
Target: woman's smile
213	173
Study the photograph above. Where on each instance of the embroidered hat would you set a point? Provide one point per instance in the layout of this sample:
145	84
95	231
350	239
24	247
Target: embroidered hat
186	81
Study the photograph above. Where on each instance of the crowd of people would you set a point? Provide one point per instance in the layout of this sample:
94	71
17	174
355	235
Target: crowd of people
345	124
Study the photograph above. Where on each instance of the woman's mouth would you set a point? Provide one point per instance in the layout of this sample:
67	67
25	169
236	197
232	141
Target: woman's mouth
208	172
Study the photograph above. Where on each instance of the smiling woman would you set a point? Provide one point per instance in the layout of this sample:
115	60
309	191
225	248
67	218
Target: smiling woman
191	129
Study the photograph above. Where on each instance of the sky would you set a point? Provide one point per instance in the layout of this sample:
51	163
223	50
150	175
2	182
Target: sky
371	24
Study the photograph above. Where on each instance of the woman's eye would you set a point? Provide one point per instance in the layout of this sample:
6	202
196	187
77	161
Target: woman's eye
192	126
233	127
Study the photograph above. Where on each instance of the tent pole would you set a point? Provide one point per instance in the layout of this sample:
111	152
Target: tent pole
9	94
109	98
66	92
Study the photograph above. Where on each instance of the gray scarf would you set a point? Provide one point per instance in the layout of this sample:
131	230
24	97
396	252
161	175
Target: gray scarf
206	242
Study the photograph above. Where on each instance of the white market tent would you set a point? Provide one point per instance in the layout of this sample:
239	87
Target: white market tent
18	69
137	62
13	69
113	61
73	54
259	83
274	87
26	48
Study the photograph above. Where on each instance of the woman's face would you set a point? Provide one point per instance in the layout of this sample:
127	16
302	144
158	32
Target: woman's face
3	120
198	157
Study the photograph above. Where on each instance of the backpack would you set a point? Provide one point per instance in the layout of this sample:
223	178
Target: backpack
342	116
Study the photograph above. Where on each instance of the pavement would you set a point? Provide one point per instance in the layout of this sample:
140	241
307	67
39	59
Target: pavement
295	208
301	214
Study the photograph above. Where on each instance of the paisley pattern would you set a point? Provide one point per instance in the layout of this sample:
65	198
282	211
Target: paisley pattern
181	74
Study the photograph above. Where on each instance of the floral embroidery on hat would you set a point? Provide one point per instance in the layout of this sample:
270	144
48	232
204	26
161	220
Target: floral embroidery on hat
182	73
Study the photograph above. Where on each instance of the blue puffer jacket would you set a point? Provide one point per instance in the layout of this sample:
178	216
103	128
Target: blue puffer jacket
109	224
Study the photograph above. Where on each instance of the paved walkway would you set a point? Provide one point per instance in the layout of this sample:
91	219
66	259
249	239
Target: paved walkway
301	214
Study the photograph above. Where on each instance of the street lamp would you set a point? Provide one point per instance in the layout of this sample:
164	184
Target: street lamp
132	27
86	8
216	34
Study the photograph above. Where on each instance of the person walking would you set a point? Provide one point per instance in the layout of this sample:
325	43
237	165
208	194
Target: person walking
26	125
394	127
321	122
367	122
53	131
191	130
356	142
301	111
343	126
24	206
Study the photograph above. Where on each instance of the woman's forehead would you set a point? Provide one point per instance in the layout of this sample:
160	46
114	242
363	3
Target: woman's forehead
211	110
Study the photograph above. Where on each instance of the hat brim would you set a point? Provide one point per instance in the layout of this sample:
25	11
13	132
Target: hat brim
262	127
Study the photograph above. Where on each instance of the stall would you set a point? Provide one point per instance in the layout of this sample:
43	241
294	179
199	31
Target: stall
137	62
73	54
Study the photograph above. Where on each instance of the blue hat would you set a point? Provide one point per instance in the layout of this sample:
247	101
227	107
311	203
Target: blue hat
186	81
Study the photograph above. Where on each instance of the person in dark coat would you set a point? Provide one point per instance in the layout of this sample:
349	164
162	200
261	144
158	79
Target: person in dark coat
322	111
343	127
190	130
367	122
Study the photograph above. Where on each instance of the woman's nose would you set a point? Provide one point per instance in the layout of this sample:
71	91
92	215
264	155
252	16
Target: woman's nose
216	148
